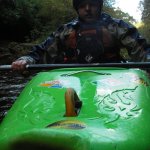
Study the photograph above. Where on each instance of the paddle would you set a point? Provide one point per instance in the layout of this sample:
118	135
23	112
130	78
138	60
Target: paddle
55	66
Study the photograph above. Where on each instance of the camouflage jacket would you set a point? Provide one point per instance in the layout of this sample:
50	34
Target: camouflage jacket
61	46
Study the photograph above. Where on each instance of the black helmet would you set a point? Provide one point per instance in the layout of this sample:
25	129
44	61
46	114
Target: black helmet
76	3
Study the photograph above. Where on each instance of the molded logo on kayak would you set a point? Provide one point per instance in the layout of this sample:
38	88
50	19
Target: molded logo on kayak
68	124
52	84
119	104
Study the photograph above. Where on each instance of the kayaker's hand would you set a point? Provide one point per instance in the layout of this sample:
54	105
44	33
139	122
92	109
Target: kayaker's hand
19	65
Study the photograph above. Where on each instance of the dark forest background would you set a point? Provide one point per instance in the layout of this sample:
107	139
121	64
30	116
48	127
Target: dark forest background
24	23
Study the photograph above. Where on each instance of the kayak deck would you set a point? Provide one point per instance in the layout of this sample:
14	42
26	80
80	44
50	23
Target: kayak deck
114	112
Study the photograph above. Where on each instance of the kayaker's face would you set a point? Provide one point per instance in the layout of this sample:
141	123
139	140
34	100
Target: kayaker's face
89	11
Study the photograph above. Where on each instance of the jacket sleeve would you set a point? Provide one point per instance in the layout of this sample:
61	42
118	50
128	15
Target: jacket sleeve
48	48
130	39
38	51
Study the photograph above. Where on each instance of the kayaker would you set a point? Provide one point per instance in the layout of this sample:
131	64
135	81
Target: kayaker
93	37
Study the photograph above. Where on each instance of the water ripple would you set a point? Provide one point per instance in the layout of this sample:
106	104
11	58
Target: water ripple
11	84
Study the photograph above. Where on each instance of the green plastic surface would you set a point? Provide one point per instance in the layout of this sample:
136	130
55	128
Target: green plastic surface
115	114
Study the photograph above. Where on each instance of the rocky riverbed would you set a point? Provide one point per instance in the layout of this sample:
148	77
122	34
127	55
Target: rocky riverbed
10	51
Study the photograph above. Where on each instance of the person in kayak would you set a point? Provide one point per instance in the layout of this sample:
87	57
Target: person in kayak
94	37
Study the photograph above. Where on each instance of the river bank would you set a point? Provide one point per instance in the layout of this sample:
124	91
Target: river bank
10	51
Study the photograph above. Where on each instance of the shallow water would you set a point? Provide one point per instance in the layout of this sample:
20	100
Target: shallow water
11	84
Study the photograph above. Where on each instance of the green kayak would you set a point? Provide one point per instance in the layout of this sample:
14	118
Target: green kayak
81	109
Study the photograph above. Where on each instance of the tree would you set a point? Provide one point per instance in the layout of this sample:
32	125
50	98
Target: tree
8	2
117	12
16	19
33	19
145	28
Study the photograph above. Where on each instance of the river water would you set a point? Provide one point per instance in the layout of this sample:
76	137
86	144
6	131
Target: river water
11	84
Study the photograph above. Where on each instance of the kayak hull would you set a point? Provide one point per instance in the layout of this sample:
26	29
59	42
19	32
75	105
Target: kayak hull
114	112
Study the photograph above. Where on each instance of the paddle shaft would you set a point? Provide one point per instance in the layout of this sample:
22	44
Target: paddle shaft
55	66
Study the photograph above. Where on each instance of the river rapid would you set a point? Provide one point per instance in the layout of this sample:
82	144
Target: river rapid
11	84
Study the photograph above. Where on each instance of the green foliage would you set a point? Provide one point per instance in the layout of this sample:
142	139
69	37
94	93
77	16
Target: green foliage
35	19
52	14
117	13
145	28
124	16
16	20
